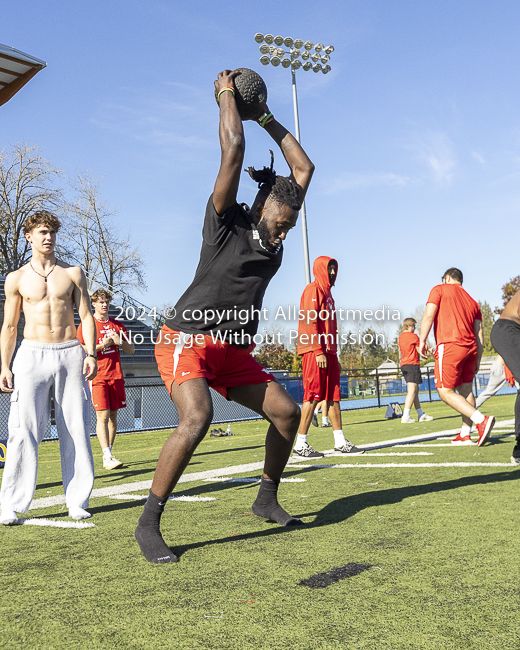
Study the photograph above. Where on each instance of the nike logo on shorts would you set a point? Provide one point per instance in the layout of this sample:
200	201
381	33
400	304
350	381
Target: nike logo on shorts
185	373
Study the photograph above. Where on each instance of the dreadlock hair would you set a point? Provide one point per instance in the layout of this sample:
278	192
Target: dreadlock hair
280	189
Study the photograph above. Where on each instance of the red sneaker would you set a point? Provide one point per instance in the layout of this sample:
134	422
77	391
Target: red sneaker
459	440
484	429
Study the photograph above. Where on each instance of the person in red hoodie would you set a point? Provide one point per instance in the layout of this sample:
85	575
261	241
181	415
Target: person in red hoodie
317	345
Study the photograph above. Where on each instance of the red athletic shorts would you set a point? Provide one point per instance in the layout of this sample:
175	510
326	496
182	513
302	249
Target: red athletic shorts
454	365
320	383
109	395
181	357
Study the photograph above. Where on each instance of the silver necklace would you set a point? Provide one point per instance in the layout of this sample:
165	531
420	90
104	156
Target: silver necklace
43	276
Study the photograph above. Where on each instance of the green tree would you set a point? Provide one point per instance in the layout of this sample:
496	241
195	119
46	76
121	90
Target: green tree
275	356
488	318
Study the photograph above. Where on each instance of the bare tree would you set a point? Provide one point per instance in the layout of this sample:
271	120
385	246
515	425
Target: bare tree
107	258
26	186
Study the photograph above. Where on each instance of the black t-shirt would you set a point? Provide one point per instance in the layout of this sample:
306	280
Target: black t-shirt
231	278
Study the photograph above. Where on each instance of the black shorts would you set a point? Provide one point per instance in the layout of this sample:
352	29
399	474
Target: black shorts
412	373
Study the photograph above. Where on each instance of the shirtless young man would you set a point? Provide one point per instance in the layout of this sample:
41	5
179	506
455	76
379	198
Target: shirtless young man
49	361
241	251
505	338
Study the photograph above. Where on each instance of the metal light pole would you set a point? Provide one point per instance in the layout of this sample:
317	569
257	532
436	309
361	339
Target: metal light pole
273	53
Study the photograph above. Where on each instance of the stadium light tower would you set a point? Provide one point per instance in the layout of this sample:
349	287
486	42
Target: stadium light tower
273	53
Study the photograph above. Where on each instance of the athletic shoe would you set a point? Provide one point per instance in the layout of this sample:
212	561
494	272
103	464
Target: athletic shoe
484	429
407	420
425	418
350	449
79	513
8	517
314	420
459	440
111	463
514	461
308	452
326	426
515	458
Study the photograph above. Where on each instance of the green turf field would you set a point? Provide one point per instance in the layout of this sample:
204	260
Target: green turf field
438	548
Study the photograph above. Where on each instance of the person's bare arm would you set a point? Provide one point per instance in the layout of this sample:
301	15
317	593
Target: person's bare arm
82	302
426	325
12	306
232	145
479	337
299	163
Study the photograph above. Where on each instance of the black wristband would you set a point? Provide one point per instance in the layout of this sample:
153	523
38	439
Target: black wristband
94	356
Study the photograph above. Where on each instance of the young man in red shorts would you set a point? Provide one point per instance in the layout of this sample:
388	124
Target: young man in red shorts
108	388
317	345
411	368
208	341
457	324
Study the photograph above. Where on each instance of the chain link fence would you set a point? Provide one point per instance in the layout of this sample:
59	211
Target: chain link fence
149	407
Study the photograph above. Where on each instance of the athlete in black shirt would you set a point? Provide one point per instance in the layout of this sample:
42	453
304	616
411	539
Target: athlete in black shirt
241	251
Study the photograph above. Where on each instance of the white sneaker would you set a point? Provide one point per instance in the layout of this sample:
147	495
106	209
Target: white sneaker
8	517
111	463
79	513
425	418
407	420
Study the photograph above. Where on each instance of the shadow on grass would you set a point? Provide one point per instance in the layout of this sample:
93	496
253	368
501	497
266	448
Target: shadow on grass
342	509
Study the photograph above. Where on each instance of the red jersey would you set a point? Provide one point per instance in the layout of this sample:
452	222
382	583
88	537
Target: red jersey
408	342
456	314
109	361
318	335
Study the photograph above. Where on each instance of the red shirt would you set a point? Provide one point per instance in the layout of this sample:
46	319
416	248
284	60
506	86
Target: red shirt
408	342
109	361
456	314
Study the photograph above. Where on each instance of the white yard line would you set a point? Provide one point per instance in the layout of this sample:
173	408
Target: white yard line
48	502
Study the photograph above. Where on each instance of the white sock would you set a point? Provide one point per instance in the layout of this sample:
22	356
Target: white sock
324	419
477	417
107	453
465	430
301	441
420	412
339	438
316	411
406	413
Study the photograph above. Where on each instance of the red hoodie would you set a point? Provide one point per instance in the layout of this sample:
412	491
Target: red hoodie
319	334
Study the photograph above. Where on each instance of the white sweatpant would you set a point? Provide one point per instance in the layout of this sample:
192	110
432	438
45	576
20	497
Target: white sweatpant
41	370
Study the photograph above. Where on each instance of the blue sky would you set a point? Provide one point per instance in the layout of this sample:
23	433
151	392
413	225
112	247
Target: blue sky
415	133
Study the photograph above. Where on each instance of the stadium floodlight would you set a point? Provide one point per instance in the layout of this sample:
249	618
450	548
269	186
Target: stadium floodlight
276	56
16	69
